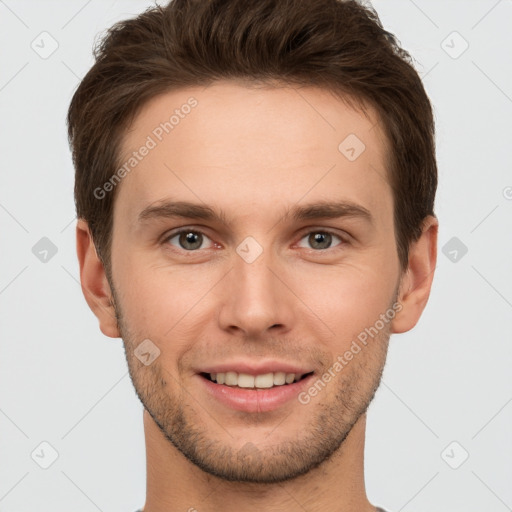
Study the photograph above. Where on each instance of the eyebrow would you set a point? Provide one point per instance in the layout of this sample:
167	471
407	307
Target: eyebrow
313	211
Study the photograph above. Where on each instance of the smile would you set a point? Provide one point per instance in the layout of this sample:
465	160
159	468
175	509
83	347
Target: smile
261	395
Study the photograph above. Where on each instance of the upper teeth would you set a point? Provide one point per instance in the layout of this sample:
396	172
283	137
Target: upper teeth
245	380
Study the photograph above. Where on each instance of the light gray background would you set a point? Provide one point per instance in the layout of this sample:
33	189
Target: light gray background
64	383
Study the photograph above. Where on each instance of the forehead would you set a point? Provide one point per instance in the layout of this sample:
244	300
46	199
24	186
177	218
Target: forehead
252	146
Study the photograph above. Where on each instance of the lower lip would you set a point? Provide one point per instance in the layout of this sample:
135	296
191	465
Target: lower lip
255	400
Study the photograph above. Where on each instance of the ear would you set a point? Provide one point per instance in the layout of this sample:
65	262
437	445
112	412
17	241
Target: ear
95	286
416	282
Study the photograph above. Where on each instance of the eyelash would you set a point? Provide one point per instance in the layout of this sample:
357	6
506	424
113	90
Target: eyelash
174	234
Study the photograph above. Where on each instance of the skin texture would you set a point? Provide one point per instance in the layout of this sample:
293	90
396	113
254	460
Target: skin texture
252	153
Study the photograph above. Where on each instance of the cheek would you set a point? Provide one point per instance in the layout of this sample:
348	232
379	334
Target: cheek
164	301
347	299
160	301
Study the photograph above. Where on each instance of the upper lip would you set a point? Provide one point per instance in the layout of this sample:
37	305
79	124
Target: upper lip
253	368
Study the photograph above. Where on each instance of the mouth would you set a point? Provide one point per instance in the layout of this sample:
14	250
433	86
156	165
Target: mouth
255	393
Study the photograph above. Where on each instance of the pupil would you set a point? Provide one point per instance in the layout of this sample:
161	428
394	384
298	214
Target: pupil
323	239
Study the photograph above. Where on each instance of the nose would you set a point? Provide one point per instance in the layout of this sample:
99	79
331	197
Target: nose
256	298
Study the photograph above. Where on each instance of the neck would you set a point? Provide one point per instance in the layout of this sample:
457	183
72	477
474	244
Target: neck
175	484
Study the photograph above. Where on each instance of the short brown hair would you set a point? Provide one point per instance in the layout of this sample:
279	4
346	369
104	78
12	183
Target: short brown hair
335	44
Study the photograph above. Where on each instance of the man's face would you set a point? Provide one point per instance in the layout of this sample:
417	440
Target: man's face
299	290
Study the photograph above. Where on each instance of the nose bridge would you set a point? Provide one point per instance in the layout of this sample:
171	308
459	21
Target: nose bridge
256	299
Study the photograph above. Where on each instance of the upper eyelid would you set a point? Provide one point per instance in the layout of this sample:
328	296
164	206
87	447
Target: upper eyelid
178	231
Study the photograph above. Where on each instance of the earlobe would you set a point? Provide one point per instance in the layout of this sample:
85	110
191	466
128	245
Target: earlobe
95	286
417	280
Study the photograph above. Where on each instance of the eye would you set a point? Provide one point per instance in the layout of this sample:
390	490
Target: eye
188	239
192	240
321	239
